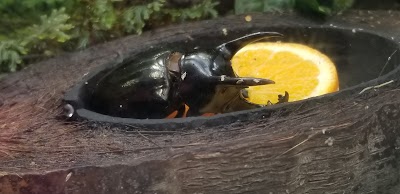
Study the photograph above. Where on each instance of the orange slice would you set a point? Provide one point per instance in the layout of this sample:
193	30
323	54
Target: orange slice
298	69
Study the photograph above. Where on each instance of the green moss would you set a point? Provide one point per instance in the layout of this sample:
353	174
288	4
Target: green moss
42	28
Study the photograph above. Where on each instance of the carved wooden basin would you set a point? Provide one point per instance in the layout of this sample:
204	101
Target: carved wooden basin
362	57
346	142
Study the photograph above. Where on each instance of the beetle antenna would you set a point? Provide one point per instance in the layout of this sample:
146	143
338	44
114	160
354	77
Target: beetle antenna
231	47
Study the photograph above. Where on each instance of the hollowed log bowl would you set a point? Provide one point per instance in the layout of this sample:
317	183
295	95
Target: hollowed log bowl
345	142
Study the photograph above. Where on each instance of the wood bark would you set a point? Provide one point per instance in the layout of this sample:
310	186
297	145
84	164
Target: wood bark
340	143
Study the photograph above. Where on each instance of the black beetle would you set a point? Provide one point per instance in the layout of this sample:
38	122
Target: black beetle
154	87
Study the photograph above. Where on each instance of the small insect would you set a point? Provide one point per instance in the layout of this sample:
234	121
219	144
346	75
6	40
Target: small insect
155	86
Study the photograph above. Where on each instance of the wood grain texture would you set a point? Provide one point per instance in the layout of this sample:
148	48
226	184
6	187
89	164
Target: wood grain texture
345	143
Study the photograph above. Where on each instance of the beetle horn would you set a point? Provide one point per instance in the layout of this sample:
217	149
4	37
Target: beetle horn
231	47
239	81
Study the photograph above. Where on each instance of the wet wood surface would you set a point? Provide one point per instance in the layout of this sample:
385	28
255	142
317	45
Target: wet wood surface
344	143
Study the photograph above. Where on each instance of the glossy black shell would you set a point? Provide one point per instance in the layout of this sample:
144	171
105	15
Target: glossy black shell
203	74
211	85
153	87
136	89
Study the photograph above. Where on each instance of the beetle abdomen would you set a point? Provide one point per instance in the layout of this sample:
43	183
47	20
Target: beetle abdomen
138	89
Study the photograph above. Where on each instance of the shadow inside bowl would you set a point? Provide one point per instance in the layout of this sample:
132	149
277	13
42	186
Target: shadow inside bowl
359	57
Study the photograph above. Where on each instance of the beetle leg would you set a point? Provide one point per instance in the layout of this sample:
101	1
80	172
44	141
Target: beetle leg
181	111
192	112
282	99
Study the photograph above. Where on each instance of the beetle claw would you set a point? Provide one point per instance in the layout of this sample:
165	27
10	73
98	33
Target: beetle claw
244	93
282	99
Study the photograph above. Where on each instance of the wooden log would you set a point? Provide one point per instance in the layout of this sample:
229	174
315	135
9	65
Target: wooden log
341	143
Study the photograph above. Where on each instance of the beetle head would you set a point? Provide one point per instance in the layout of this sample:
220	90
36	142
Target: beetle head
201	72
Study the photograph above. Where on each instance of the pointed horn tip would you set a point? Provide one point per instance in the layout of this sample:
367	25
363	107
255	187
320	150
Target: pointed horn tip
256	81
264	81
270	33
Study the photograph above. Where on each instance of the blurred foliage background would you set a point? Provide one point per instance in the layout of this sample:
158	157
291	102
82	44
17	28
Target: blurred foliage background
32	30
324	8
